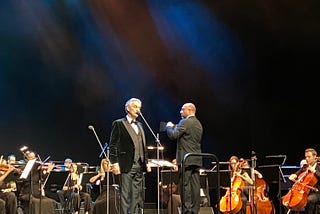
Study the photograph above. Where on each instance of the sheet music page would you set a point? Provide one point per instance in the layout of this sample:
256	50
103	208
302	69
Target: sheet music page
162	163
27	169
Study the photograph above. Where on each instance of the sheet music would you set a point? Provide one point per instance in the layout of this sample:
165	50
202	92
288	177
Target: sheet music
27	169
162	163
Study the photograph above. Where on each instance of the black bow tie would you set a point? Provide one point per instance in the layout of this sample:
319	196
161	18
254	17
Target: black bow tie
134	121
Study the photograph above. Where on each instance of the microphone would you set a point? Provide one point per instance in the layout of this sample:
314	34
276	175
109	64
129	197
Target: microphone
102	148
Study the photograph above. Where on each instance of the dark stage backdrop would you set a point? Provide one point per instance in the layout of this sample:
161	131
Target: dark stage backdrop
249	66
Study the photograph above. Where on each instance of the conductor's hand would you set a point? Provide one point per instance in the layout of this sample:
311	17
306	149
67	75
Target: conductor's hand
170	124
115	169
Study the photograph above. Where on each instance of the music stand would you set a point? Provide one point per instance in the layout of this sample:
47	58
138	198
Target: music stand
169	177
56	180
159	163
225	179
85	177
12	176
28	170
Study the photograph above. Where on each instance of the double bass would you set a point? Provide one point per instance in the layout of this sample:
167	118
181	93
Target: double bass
261	203
231	202
296	198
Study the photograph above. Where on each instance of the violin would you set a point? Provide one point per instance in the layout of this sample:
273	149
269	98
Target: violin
7	167
4	167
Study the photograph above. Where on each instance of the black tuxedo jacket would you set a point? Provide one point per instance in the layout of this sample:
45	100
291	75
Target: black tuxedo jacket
122	146
188	133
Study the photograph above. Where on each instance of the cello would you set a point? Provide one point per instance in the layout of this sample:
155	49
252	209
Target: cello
296	198
231	202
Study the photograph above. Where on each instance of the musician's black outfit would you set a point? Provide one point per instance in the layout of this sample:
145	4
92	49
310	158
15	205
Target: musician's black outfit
73	195
9	200
28	191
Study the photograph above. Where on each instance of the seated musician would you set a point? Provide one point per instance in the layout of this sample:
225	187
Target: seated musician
71	192
67	165
27	191
259	201
244	164
311	166
100	203
52	192
8	199
235	173
170	196
11	159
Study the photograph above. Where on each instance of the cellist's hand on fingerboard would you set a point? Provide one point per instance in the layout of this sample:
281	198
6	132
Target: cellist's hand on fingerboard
293	177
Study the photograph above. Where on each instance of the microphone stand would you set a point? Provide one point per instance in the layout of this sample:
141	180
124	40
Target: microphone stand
253	177
158	158
40	181
106	156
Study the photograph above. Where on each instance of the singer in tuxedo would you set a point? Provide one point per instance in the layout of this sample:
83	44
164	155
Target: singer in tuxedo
128	155
188	133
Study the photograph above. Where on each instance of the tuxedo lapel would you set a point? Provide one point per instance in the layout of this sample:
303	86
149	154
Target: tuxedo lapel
130	130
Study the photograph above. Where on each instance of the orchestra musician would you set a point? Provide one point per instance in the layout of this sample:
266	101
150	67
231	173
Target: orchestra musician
170	194
310	166
11	159
240	180
58	168
66	166
32	188
244	164
71	192
8	199
259	201
99	205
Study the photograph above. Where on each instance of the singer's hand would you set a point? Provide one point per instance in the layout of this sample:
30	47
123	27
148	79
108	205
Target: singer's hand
115	169
170	124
